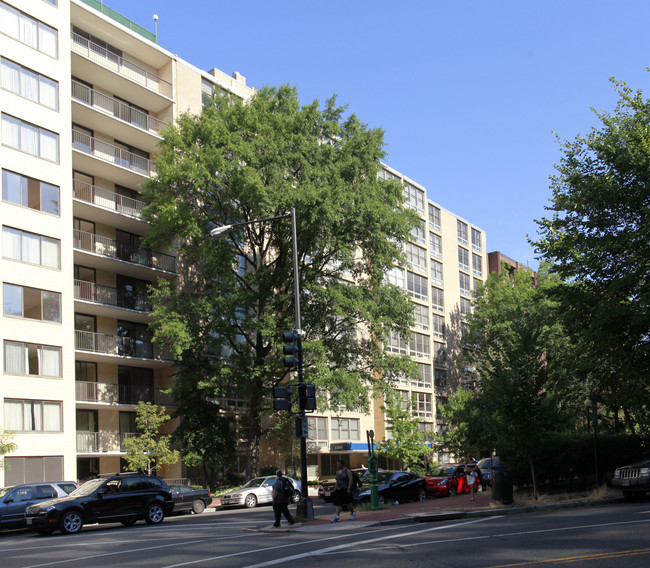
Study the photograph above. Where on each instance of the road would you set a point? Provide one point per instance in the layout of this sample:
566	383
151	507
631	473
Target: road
604	536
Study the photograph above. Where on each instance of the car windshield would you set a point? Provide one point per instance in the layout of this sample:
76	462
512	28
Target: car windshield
383	476
257	482
5	490
442	471
89	487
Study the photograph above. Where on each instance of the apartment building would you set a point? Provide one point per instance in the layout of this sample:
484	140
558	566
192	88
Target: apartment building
84	96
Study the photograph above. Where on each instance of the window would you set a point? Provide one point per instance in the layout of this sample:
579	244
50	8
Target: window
416	257
414	197
465	307
475	284
439	353
30	192
386	175
440	378
423	407
435	244
418	233
395	343
463	280
421	316
438	326
461	229
434	217
30	138
32	415
437	299
345	429
317	431
419	345
32	359
28	30
463	258
417	286
29	84
425	377
477	265
31	303
436	272
476	239
31	248
396	276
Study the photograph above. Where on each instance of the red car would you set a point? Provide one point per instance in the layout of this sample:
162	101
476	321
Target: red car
449	479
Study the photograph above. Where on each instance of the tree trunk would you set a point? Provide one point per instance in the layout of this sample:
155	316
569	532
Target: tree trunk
532	473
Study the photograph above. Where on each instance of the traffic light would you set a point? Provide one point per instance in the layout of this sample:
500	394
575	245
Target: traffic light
282	398
292	350
307	397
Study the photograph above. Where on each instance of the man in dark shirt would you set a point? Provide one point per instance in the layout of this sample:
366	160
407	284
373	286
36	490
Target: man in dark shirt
280	501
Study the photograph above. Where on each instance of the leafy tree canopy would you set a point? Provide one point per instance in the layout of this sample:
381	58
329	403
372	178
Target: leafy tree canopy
239	162
6	445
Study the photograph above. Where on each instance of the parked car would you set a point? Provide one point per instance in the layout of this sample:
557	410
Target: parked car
189	499
449	479
486	465
394	486
327	487
256	492
16	498
633	480
125	498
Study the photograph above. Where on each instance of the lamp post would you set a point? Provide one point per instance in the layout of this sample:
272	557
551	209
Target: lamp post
592	404
305	507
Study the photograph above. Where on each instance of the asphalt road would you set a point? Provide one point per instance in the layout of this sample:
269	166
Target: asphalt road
604	536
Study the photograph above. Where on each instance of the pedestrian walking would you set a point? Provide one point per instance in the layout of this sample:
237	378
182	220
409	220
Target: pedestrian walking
343	492
471	472
280	499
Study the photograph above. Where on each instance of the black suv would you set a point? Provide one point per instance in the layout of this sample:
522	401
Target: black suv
125	498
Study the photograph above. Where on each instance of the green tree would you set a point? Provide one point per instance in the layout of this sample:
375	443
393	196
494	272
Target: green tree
596	239
519	352
149	451
238	162
6	445
407	443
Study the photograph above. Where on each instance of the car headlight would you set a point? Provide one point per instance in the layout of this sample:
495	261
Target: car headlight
645	470
47	509
617	473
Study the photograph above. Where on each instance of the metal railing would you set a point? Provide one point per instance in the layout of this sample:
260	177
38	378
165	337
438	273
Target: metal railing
125	67
108	296
120	346
105	246
107	199
111	393
111	153
118	109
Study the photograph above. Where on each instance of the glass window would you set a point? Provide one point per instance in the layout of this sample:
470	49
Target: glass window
31	303
439	353
421	316
463	258
434	217
30	138
424	380
477	265
32	415
436	272
417	286
476	239
416	257
414	197
419	345
462	232
29	84
345	429
29	247
437	299
395	343
418	232
28	30
317	431
438	326
463	280
465	306
29	192
31	359
396	276
435	244
423	407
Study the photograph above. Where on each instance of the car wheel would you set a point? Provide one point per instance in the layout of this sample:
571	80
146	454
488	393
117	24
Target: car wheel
154	514
453	491
250	501
295	497
198	506
71	522
422	495
128	523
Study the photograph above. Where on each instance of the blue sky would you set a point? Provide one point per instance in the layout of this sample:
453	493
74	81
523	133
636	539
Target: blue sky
470	94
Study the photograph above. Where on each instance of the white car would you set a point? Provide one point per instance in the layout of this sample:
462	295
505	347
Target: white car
256	492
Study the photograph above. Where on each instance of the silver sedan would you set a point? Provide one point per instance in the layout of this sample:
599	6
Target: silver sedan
256	492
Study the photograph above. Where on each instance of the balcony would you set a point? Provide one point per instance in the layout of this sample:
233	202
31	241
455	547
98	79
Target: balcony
112	394
114	345
115	117
129	69
110	248
102	442
108	296
113	155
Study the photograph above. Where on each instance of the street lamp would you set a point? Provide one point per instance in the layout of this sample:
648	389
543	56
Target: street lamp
305	507
591	404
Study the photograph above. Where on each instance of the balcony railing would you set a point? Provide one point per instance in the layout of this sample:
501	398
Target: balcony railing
107	199
105	246
125	67
111	393
118	109
108	296
111	153
96	442
120	346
